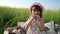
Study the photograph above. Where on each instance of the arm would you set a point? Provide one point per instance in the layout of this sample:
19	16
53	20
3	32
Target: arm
28	23
41	24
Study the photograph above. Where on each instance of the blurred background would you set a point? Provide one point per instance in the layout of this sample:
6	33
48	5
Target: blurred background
12	11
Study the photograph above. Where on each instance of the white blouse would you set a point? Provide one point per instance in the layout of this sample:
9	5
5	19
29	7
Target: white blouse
34	28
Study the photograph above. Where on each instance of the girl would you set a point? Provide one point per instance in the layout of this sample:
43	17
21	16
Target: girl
35	23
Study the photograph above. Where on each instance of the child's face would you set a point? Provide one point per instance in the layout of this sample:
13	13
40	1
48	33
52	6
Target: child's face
35	12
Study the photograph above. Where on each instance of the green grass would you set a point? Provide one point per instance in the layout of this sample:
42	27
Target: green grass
10	16
52	15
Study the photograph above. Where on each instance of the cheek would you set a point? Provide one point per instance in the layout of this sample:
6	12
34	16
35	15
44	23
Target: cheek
39	13
33	12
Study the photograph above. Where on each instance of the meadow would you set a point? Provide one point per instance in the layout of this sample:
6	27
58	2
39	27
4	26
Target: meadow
10	16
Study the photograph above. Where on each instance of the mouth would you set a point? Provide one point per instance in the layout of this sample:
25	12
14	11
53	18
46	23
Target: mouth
36	14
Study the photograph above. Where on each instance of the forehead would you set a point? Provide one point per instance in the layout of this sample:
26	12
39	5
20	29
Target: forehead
36	8
33	8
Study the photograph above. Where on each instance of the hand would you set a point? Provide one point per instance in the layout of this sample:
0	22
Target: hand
33	17
37	17
40	22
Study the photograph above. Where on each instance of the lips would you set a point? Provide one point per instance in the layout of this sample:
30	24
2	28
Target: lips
36	14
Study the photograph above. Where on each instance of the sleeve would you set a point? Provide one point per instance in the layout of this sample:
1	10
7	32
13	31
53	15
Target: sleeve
42	20
24	26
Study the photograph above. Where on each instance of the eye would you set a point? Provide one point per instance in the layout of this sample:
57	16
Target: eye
34	10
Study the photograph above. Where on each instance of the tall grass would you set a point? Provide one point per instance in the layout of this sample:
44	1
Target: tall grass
52	15
10	16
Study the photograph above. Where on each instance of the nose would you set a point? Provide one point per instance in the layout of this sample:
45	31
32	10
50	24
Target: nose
35	12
